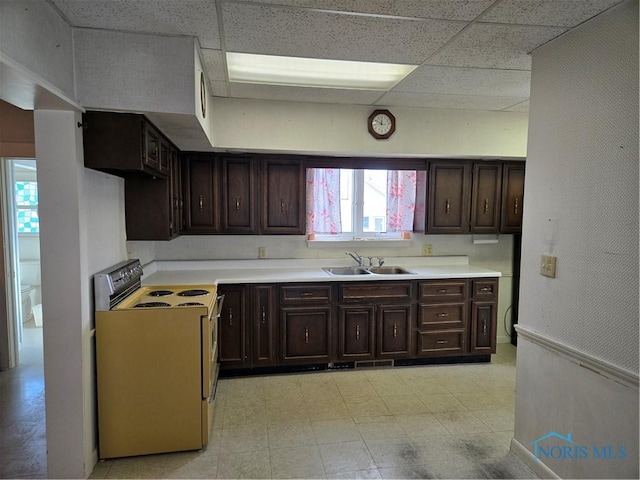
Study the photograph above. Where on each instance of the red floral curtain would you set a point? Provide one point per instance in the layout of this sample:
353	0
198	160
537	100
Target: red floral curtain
401	201
323	201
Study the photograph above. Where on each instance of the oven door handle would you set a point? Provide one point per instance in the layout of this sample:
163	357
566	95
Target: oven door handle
218	307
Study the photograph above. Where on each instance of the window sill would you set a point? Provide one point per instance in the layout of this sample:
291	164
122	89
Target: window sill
329	242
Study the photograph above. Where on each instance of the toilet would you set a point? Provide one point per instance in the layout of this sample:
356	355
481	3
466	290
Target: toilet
30	291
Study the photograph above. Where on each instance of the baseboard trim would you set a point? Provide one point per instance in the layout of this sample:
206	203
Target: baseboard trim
595	365
532	462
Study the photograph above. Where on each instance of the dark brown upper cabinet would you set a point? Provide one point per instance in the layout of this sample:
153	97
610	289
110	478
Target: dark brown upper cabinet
485	197
512	195
448	197
239	194
283	196
201	179
124	143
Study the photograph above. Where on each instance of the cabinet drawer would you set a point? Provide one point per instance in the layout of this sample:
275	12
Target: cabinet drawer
447	291
485	289
375	292
446	315
441	342
305	294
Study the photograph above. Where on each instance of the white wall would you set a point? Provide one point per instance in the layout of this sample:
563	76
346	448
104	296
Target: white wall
582	174
342	129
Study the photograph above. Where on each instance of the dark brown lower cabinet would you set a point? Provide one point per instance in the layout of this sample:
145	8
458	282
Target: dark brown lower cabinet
441	342
305	334
484	309
264	324
356	332
394	331
232	328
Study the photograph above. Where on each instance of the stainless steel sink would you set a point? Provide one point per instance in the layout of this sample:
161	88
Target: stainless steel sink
384	270
346	270
389	270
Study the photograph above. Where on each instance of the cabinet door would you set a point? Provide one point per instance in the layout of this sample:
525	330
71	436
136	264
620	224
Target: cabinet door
202	195
394	331
264	326
448	197
356	332
232	335
486	192
147	206
239	194
177	218
283	197
305	334
512	195
483	327
151	151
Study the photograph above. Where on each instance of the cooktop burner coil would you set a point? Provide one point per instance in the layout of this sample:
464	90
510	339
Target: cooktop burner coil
160	293
191	304
193	293
152	304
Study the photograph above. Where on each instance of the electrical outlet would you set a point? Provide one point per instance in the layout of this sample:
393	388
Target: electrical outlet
262	252
548	266
427	250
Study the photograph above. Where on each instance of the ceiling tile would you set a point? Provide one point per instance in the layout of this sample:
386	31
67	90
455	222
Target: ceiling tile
456	102
218	89
438	9
546	12
495	46
315	34
303	94
469	81
518	107
214	64
169	17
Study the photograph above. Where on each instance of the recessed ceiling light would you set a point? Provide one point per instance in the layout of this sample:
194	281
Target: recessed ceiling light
314	72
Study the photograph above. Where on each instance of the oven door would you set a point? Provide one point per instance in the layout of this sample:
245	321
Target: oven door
210	349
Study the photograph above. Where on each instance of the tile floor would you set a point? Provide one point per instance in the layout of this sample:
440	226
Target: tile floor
453	421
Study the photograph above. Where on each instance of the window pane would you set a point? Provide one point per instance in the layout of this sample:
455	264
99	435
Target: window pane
26	194
374	217
346	199
28	221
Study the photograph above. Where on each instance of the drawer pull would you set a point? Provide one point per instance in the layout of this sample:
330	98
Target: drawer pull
442	342
306	334
264	315
442	290
306	294
448	207
231	317
282	205
486	289
237	203
357	332
395	330
486	205
515	206
200	203
484	326
442	315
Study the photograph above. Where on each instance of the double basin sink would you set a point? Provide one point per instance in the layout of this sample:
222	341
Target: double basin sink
390	270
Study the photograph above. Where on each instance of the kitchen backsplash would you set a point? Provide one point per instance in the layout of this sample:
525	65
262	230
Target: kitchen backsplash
496	256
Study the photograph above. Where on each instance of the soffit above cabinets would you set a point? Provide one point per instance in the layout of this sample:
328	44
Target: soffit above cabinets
470	54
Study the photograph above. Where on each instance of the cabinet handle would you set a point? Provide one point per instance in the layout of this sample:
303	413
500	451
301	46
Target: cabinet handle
264	315
486	205
485	289
484	326
448	206
200	203
231	317
442	342
395	330
306	294
237	203
357	332
442	315
282	205
306	334
442	290
515	206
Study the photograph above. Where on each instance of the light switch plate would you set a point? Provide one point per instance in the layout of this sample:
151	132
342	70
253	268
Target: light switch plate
548	266
427	250
262	252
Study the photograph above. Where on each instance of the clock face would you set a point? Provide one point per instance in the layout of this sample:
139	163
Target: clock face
381	124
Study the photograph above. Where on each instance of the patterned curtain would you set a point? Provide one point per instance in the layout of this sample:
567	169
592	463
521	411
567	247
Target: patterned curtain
323	201
401	201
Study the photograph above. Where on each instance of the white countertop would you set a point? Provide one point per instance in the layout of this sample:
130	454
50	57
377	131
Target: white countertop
179	272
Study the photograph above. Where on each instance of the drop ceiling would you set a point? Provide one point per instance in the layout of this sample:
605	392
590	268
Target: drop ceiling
471	54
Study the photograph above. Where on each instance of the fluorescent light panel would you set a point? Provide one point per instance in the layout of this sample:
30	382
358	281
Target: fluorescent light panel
314	72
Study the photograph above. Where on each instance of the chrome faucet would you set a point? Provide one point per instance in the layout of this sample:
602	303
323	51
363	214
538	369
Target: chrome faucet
380	261
357	257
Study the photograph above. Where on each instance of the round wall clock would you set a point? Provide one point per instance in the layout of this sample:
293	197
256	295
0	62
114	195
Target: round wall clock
381	124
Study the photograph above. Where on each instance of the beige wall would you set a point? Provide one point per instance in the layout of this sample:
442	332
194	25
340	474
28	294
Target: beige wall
16	132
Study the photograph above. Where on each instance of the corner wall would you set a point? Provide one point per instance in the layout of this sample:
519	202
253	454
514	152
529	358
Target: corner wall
577	369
